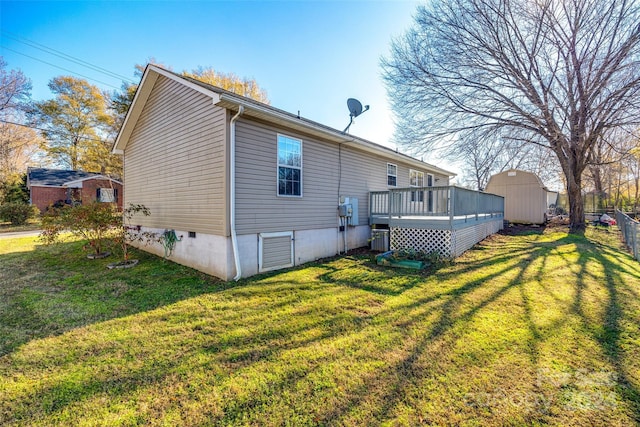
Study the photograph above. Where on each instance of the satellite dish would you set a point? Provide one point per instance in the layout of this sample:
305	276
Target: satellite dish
355	109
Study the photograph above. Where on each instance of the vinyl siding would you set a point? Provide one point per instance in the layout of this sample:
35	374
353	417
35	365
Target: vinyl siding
175	161
259	208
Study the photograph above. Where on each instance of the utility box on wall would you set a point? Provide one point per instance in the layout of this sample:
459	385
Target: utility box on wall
345	210
352	220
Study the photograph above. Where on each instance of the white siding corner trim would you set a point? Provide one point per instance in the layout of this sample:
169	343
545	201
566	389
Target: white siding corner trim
275	251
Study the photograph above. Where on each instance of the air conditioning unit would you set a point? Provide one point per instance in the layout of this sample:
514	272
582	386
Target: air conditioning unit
380	240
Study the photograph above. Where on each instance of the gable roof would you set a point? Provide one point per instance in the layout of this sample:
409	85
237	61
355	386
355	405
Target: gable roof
58	177
77	182
255	109
531	177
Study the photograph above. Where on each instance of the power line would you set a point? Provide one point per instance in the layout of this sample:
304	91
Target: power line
65	56
55	131
62	68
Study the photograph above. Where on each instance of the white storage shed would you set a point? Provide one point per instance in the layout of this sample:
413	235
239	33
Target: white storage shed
525	196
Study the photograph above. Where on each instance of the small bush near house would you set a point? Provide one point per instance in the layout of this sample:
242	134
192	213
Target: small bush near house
94	222
126	233
17	213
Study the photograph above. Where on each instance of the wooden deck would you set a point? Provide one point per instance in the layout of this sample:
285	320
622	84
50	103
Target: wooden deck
448	220
437	208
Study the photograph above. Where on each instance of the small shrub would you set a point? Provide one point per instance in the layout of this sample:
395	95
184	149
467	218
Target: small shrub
127	234
94	222
17	213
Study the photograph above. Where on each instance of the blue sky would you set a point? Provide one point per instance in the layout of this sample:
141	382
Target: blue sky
309	55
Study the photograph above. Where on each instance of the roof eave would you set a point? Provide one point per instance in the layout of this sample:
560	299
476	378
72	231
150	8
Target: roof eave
149	78
101	177
256	110
271	115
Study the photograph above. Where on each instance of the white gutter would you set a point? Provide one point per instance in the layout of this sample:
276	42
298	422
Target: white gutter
232	191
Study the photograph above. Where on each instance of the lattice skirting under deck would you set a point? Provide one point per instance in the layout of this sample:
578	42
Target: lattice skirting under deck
421	239
450	243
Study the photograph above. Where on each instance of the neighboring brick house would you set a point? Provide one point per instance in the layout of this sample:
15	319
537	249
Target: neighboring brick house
51	186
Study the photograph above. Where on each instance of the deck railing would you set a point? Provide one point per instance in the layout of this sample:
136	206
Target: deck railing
630	229
450	203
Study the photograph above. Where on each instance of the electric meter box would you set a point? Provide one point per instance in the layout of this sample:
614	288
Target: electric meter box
345	210
352	216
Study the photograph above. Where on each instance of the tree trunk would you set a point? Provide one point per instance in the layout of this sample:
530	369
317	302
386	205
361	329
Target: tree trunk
573	174
597	180
635	197
576	209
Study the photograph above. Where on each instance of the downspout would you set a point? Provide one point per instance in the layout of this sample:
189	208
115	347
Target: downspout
232	190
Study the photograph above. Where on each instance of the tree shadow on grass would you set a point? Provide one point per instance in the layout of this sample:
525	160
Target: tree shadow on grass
383	281
253	351
612	330
402	377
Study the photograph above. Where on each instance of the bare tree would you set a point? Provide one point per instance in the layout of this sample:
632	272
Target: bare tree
634	172
484	152
560	74
14	89
17	143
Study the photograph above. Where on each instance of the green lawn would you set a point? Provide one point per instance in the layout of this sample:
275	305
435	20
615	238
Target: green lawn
31	225
532	329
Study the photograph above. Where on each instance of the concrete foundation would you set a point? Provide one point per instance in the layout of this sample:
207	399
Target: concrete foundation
213	254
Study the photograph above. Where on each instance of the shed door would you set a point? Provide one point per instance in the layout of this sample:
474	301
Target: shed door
276	251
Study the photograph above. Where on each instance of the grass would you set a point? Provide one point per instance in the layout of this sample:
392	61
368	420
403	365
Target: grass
31	225
531	329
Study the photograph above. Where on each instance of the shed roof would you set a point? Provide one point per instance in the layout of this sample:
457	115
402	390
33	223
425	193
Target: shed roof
255	109
504	177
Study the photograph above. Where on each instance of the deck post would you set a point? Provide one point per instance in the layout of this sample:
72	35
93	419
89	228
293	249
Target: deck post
371	208
389	198
452	198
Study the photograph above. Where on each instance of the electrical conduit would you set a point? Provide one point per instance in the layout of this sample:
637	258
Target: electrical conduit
232	190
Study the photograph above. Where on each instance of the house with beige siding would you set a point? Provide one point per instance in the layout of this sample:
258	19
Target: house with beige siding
252	188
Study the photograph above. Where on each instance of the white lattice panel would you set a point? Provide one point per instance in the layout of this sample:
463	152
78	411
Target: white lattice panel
448	242
420	239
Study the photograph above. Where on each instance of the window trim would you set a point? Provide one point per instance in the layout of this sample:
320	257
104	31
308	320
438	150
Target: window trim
419	173
278	165
430	201
113	195
417	196
389	175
